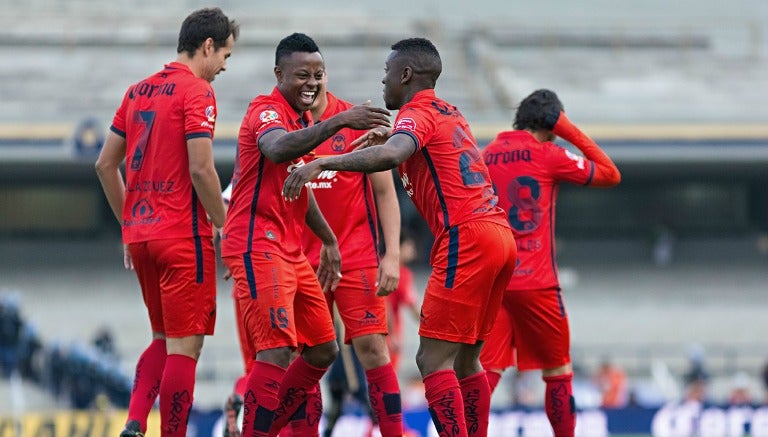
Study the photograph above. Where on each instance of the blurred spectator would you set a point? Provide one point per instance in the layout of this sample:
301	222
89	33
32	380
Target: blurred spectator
697	369
57	358
740	394
104	341
696	389
696	379
611	381
30	354
10	335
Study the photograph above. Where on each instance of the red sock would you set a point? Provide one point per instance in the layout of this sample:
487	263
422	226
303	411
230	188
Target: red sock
146	382
477	403
446	405
384	393
241	384
306	420
260	399
559	404
176	394
493	379
299	379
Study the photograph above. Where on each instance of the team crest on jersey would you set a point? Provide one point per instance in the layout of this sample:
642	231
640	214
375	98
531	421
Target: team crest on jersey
270	235
210	112
268	115
339	143
408	124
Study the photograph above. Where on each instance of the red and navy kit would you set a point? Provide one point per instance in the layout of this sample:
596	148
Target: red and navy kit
449	184
346	201
446	178
259	219
280	298
526	174
156	117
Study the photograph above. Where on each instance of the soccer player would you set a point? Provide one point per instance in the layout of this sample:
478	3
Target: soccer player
359	296
164	128
442	171
526	168
281	299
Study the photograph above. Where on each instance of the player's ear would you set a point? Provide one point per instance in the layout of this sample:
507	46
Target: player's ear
208	46
278	74
406	75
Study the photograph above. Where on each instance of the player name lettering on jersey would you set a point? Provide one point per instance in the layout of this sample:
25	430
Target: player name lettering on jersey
150	186
508	156
150	90
528	245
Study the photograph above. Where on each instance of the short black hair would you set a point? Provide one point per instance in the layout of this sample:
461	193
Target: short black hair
203	24
538	111
422	54
295	42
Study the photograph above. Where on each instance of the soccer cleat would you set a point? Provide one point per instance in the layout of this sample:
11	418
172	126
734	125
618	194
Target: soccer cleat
132	429
233	409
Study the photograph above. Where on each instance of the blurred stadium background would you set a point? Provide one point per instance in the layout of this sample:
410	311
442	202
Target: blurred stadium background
668	268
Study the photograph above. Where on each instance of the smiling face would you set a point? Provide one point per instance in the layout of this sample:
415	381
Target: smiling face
299	78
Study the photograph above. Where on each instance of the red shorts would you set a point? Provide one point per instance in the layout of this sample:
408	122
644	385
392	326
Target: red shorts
471	267
535	325
362	312
178	283
245	346
282	303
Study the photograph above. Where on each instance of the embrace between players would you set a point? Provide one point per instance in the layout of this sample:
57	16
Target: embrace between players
482	289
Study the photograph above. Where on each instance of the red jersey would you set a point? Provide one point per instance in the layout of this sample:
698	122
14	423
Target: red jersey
526	175
346	201
156	117
258	218
445	178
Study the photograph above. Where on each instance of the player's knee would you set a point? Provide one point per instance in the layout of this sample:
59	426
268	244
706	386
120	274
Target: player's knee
371	351
423	362
321	355
280	356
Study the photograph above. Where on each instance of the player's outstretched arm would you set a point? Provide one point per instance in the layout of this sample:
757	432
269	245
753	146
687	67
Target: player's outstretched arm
606	172
281	146
373	137
374	159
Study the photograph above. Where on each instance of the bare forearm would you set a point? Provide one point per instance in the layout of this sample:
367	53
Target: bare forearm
370	160
114	190
208	189
388	211
317	223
